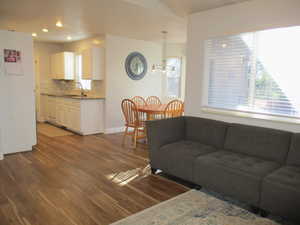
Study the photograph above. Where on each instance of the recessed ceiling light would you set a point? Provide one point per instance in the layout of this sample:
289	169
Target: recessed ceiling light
59	24
224	45
96	42
45	30
69	38
34	34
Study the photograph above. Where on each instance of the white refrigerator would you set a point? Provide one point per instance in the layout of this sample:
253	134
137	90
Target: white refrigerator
17	83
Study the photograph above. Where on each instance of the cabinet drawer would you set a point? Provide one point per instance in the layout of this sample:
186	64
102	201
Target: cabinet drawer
74	103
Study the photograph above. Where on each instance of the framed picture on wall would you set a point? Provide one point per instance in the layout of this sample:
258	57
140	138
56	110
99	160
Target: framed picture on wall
13	62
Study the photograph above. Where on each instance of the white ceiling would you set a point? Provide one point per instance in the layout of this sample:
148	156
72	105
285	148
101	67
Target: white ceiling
140	19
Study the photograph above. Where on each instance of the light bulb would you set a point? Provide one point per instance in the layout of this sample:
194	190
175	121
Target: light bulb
59	24
153	68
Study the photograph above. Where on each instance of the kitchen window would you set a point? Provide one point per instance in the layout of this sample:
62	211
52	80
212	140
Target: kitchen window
174	77
86	84
256	72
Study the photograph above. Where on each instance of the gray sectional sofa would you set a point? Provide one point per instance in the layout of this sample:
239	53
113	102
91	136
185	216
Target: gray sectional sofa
259	166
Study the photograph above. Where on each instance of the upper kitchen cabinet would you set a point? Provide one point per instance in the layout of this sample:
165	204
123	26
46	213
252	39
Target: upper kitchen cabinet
93	63
62	66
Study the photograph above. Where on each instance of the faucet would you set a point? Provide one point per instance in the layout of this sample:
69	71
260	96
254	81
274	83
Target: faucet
81	89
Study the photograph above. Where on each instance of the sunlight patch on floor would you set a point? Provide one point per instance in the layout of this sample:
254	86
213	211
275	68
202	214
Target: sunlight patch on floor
125	177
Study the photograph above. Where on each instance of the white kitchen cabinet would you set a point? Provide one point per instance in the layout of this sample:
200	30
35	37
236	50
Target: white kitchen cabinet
93	60
74	114
51	107
83	116
92	116
44	109
60	112
63	66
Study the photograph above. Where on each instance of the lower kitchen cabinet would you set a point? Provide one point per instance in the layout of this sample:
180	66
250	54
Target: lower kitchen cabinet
83	116
51	105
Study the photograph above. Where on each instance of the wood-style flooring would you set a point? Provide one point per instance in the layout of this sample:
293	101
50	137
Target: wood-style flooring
76	180
52	131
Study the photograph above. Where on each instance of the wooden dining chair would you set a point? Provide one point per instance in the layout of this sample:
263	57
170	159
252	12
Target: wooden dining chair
174	108
153	100
132	121
140	101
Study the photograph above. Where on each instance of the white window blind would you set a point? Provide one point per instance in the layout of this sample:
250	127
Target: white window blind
174	77
255	72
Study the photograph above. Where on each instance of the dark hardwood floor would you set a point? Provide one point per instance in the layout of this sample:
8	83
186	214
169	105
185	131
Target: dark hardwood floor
75	180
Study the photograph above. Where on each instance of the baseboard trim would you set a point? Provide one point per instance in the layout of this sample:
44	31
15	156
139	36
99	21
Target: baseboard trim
114	130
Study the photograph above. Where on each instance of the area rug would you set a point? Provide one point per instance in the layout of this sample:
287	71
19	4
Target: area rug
52	131
197	208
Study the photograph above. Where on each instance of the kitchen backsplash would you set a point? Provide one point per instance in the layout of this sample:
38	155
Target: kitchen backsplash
69	87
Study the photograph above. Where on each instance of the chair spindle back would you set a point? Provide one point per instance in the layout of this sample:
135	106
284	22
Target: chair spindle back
174	108
153	100
130	112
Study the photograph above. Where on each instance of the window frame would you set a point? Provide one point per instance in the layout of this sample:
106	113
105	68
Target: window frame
180	78
206	108
78	77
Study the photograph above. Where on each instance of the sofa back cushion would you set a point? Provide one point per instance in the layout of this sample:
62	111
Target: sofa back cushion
261	142
205	131
294	153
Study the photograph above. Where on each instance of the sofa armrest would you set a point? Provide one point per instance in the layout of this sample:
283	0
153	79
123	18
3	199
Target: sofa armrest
161	132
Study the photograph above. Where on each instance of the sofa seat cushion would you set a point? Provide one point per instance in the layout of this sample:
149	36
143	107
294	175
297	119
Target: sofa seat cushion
234	174
287	175
281	192
178	157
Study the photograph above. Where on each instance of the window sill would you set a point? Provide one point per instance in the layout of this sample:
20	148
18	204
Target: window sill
225	112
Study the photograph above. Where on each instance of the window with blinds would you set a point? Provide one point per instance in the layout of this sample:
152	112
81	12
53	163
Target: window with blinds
174	77
86	84
255	72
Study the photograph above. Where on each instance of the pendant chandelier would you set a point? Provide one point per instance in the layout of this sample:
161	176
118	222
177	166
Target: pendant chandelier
163	67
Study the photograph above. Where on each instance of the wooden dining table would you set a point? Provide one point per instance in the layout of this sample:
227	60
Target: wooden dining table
152	110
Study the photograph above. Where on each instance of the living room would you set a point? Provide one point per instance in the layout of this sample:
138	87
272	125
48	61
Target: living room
233	157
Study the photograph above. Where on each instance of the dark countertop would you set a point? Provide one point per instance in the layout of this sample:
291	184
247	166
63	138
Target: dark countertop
74	96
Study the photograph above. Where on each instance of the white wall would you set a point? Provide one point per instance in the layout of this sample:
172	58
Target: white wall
17	115
1	146
44	83
42	53
229	20
119	85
